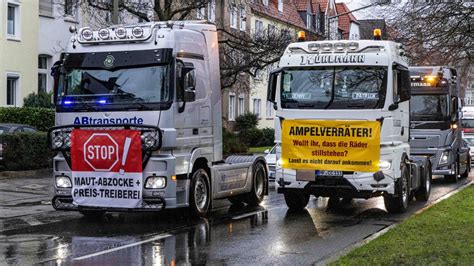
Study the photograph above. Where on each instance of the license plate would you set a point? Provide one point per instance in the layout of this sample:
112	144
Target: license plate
328	173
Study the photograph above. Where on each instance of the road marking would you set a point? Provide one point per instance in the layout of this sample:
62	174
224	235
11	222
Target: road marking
31	220
247	215
158	237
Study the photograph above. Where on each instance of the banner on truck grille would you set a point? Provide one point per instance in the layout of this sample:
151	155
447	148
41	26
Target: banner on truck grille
106	168
331	145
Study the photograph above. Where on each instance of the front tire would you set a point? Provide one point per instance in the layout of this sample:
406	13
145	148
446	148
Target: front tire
296	200
424	191
200	193
398	203
260	182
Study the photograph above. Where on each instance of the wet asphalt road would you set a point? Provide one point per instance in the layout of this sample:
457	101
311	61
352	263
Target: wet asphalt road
268	234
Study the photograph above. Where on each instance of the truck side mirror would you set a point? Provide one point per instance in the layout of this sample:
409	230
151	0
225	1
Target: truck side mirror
394	105
272	84
56	73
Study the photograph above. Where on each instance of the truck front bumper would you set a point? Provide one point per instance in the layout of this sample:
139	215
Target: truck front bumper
435	156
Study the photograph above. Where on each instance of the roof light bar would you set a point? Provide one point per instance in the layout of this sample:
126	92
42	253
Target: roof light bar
104	34
87	34
137	32
121	33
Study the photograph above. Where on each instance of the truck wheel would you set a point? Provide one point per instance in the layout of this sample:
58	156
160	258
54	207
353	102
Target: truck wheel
452	178
200	193
468	169
258	188
296	200
398	203
423	192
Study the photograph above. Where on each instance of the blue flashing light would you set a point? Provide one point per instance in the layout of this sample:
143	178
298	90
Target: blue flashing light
102	101
67	102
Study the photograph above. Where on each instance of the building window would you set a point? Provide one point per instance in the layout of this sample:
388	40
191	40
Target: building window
241	105
308	20
243	18
201	13
257	107
258	27
68	7
12	90
231	107
280	6
42	73
13	20
265	2
46	7
269	110
211	9
233	17
271	30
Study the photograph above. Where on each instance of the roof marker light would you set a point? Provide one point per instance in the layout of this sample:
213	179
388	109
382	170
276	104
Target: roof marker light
377	34
121	33
104	34
87	34
314	46
352	46
137	32
339	47
327	47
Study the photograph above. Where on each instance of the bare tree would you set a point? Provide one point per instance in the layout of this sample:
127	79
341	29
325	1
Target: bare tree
242	53
436	33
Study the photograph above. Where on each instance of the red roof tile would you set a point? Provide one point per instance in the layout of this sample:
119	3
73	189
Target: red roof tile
345	20
302	5
289	15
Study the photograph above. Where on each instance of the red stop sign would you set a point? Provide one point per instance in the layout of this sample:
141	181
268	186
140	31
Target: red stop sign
101	152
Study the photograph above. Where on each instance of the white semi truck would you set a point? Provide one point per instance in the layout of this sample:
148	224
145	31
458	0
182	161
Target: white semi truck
342	124
138	123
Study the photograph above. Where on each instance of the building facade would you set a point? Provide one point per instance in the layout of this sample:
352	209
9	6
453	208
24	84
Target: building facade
18	51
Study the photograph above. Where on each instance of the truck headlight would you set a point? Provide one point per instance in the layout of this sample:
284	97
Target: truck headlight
63	181
444	157
385	165
155	182
279	163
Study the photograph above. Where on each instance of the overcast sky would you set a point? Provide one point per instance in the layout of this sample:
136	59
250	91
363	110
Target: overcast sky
363	14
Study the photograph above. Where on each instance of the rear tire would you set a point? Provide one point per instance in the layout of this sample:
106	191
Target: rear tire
453	178
296	200
423	192
200	193
398	203
468	169
260	182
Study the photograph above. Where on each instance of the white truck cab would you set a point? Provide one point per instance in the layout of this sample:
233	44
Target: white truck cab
366	80
138	123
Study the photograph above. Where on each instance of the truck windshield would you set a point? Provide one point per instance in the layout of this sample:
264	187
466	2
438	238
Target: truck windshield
429	107
141	84
334	88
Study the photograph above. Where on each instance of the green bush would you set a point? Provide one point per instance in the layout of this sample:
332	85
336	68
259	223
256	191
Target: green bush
268	137
246	121
41	118
25	151
251	137
231	143
42	99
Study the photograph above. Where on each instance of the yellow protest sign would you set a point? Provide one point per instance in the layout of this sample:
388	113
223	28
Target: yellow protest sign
331	145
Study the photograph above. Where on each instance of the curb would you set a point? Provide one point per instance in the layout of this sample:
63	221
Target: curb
348	249
26	174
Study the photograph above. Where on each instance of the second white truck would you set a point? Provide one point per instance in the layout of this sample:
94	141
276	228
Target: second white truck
342	124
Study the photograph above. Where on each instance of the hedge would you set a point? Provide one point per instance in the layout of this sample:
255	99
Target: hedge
40	118
25	151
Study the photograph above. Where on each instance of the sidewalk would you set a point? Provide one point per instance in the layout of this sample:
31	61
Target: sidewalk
25	193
